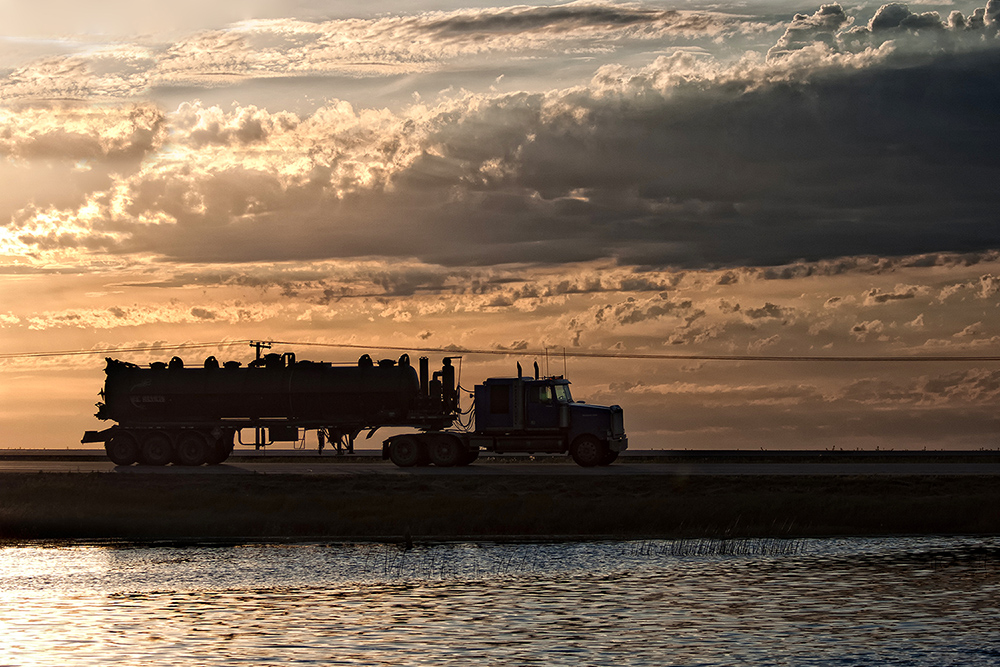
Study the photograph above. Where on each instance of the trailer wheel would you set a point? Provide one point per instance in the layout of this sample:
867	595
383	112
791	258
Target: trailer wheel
588	451
156	449
444	451
122	449
405	451
192	449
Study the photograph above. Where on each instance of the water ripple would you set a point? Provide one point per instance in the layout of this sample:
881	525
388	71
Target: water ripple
919	601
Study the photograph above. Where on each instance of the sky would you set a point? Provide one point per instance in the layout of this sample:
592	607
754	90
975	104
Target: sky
650	178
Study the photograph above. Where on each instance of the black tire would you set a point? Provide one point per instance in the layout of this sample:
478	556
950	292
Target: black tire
609	458
588	451
221	449
444	451
192	448
469	456
406	452
156	449
122	449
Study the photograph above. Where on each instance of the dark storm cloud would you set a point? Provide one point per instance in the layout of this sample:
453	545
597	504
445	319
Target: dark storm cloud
686	162
893	160
524	19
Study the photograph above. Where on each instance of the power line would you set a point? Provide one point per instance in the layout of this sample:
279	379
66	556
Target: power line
525	353
115	350
649	356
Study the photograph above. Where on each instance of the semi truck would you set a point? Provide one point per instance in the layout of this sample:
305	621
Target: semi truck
170	413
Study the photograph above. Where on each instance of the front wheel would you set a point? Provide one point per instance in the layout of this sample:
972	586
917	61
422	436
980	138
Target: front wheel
609	458
588	451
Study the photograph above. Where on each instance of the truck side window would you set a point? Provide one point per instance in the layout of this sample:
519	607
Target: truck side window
499	400
540	394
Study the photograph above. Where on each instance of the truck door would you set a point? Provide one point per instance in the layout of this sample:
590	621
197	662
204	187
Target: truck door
542	408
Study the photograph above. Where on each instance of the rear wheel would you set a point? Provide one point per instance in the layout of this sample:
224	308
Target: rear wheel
405	452
122	448
588	451
156	449
444	450
192	449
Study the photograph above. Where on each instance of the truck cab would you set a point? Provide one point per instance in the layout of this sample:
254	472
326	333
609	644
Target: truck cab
539	415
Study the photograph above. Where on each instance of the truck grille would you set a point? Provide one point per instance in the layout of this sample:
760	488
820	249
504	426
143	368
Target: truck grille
617	421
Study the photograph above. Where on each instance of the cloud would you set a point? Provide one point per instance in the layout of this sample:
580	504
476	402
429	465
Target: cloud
768	311
806	30
103	74
985	287
967	387
686	162
760	344
232	312
862	330
634	311
971	331
384	46
893	23
894	16
716	395
876	296
80	132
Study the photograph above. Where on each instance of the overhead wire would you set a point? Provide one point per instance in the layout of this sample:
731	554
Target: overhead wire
457	351
655	356
117	350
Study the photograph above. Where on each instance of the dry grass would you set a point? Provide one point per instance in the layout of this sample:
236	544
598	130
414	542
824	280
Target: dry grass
137	506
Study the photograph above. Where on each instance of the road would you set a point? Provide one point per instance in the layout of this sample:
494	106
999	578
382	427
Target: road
334	467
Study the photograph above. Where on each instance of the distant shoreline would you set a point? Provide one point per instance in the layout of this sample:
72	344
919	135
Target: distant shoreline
502	507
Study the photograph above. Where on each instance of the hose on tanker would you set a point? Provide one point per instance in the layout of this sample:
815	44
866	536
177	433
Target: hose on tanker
467	424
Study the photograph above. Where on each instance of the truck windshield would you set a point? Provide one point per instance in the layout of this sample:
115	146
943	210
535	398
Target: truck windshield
562	393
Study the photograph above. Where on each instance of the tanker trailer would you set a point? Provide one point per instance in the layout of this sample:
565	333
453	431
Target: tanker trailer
169	412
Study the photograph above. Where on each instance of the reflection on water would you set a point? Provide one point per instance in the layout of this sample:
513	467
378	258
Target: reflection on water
926	601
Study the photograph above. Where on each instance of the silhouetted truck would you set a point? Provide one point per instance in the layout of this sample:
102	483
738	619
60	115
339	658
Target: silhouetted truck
172	413
518	414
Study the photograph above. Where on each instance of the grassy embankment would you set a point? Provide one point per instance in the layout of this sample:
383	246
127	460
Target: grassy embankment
373	506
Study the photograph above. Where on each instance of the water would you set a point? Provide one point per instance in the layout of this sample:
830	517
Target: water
920	601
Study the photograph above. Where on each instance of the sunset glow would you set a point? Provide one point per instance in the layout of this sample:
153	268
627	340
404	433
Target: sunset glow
633	178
